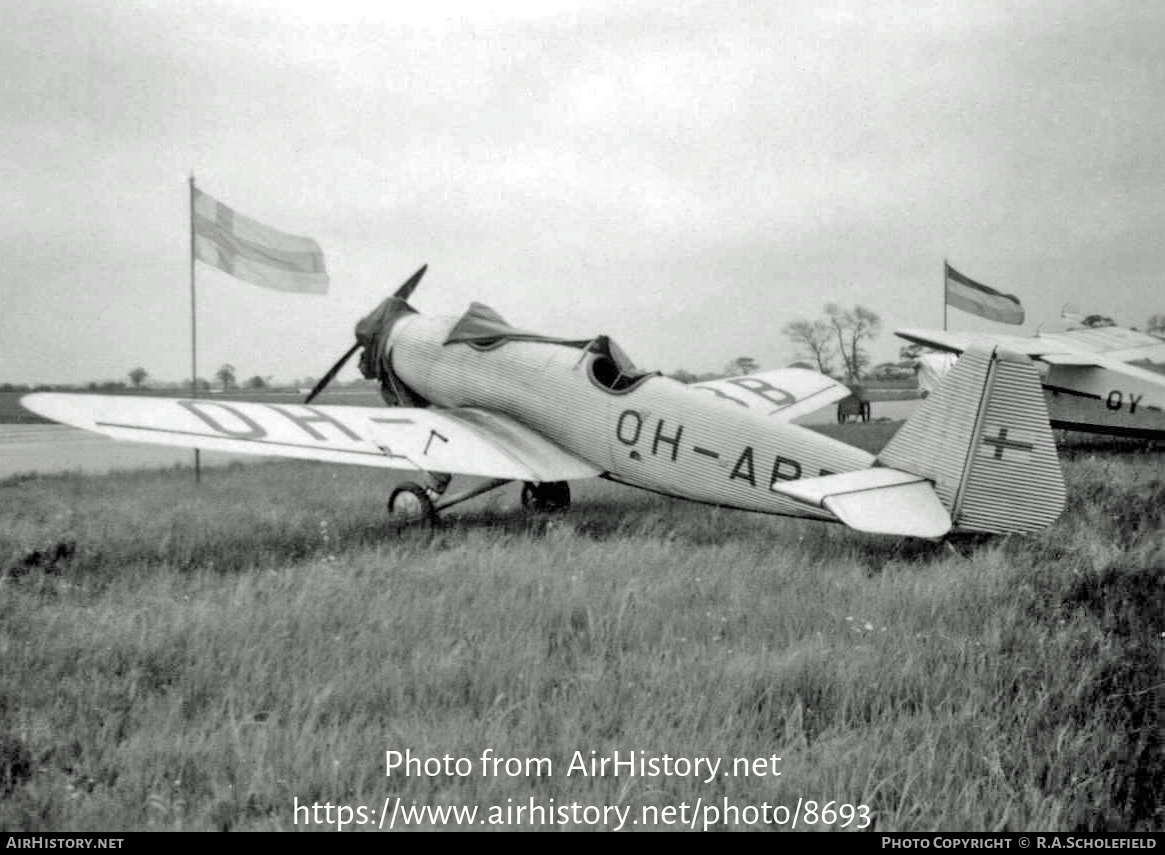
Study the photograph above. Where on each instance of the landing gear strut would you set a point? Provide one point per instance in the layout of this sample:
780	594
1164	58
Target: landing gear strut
412	503
546	497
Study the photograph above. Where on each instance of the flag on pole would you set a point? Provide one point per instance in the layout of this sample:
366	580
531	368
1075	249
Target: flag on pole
970	296
259	254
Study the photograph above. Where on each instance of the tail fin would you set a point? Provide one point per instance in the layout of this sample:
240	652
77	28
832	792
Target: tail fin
983	438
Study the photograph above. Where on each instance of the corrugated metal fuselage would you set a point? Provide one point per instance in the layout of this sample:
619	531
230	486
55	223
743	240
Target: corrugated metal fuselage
660	435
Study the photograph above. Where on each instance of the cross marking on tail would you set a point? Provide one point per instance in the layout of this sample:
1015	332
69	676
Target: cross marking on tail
1001	442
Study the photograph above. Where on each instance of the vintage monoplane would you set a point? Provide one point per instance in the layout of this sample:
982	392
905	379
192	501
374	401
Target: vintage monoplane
472	395
1108	380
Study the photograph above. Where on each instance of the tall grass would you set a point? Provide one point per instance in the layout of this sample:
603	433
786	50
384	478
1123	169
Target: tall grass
173	657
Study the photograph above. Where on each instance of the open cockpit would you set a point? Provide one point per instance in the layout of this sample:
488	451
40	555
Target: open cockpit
609	367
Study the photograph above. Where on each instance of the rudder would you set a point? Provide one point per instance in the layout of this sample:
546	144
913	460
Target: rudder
983	438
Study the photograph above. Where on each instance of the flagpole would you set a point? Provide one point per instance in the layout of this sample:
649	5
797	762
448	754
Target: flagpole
193	332
944	295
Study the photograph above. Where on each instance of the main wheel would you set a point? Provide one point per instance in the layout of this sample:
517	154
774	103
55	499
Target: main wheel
547	497
409	503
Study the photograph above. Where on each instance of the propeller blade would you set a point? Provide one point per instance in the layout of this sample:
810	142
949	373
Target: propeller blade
332	372
402	293
405	291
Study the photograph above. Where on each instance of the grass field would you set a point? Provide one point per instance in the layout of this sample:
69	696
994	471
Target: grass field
182	658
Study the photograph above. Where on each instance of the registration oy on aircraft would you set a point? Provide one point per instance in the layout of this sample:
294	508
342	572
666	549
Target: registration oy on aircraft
1108	380
472	395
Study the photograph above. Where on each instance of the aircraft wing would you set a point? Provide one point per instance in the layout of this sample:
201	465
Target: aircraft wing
1083	348
462	441
1119	343
785	393
1076	360
957	342
1097	348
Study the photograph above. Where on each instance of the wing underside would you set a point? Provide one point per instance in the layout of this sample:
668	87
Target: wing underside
462	441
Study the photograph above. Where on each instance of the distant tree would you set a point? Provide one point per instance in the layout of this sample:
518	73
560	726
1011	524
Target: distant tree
138	377
226	376
814	341
1156	325
202	385
256	382
1098	321
741	365
853	328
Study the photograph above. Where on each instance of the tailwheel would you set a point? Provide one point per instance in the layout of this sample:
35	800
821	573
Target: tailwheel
546	497
410	503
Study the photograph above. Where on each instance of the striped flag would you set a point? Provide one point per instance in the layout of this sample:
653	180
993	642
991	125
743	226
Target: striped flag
251	251
970	296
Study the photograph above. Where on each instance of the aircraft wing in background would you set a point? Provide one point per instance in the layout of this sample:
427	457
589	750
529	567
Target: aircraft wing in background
957	342
1099	348
785	393
1105	380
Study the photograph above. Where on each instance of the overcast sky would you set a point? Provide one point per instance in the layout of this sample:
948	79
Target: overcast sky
684	177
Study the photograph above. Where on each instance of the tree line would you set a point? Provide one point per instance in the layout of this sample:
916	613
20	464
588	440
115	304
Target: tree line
225	375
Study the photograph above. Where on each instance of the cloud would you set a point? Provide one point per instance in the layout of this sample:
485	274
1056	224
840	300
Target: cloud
623	169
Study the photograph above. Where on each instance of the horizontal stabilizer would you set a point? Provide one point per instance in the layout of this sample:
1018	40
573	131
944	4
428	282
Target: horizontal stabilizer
878	500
